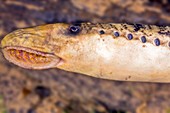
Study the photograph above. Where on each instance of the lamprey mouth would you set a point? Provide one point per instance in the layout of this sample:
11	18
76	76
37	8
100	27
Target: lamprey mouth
31	59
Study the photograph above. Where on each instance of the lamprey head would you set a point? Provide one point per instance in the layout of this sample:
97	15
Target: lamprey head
33	48
54	45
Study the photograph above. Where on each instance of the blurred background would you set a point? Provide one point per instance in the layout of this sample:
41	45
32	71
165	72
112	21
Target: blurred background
57	91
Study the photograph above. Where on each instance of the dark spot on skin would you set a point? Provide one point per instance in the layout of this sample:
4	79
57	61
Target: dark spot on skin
137	27
149	27
144	46
162	27
157	42
111	25
130	36
42	91
124	26
101	25
74	29
116	34
103	40
143	39
114	27
101	32
167	33
127	78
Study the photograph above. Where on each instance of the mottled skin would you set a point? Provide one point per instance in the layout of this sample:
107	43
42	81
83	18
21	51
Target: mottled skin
92	51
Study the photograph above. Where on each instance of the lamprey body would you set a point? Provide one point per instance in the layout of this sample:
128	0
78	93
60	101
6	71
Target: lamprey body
125	52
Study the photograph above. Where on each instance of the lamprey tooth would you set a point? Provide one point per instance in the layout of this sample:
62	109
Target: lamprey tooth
32	57
12	52
26	56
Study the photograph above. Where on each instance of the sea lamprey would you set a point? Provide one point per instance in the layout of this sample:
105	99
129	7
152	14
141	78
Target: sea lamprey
126	52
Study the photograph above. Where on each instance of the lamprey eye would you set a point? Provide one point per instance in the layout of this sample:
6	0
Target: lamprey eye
74	29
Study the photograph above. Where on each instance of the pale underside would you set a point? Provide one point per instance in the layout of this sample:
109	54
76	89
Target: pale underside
119	59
